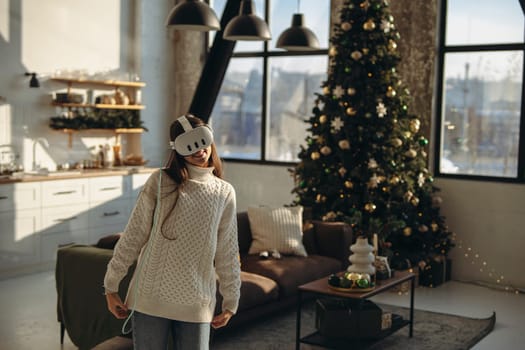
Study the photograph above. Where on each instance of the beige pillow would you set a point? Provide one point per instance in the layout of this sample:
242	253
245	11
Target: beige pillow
277	228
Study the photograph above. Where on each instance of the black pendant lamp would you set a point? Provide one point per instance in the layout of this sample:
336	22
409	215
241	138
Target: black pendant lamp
298	37
247	26
193	15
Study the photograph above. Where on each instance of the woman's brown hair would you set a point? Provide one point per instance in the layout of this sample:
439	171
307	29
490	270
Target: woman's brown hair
176	166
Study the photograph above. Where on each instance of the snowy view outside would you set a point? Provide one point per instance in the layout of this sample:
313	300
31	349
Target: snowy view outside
482	89
237	117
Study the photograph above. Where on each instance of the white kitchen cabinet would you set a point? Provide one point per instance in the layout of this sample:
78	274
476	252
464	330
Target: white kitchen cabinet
20	223
107	218
37	217
19	240
64	192
19	196
108	188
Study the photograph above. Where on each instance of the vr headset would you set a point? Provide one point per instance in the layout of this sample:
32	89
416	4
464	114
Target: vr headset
193	139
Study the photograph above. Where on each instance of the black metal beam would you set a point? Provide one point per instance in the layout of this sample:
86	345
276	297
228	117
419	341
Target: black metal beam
215	67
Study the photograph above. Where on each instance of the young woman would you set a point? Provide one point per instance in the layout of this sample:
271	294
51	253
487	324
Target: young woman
174	285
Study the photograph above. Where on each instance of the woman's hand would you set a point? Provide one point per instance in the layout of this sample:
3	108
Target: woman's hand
116	306
221	319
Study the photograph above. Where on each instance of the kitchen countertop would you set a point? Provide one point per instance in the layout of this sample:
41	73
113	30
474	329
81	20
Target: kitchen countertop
75	174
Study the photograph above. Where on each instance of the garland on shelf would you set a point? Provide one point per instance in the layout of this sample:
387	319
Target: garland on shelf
98	119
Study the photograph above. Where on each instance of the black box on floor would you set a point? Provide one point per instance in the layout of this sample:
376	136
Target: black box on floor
435	273
344	319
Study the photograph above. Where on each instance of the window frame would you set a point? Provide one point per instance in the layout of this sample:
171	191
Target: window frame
442	50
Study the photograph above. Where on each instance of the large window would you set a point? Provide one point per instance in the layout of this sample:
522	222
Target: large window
267	93
481	125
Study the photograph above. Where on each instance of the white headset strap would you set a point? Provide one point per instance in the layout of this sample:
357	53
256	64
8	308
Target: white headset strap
185	123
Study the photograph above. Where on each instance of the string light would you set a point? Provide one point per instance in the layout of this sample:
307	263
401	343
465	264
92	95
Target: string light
497	279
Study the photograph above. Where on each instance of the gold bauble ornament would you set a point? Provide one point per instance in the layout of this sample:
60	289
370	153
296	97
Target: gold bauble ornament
351	111
407	134
423	228
344	144
322	119
370	207
349	184
434	227
407	231
342	171
394	180
326	90
333	51
369	25
356	55
411	153
392	45
346	26
414	201
414	125
315	155
390	92
325	150
351	91
397	142
365	51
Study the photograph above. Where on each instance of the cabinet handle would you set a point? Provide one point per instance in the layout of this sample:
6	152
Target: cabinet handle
63	192
109	188
67	219
4	197
113	213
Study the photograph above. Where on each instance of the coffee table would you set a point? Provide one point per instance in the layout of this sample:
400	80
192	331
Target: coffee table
320	288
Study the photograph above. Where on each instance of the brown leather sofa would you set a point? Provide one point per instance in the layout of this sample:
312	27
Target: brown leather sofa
268	285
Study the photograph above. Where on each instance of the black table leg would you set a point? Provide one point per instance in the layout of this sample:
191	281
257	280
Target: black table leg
411	326
298	321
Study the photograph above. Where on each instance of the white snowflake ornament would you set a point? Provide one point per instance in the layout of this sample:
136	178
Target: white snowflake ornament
381	110
338	91
386	26
337	124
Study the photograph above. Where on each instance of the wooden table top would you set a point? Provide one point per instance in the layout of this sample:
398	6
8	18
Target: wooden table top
321	286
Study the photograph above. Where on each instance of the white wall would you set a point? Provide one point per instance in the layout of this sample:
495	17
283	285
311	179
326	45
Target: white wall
489	221
259	184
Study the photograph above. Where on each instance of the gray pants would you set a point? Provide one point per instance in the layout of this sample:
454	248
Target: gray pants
151	333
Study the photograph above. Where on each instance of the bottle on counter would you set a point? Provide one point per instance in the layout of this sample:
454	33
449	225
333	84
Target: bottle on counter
117	160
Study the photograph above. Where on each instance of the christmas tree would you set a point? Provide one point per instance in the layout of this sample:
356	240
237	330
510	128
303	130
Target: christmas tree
365	159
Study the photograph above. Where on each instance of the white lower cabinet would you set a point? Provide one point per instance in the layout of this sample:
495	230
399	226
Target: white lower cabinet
36	218
20	224
107	218
19	240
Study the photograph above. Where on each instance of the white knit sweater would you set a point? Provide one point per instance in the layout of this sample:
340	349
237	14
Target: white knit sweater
176	276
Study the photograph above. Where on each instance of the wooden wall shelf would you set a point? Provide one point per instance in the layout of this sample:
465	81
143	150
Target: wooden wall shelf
98	105
108	83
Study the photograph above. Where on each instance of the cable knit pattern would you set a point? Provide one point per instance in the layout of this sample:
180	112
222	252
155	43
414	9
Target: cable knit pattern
195	241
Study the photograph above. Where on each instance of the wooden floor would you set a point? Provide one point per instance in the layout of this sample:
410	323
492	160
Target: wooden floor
28	311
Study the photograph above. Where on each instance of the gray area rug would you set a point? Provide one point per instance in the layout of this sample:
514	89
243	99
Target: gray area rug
432	331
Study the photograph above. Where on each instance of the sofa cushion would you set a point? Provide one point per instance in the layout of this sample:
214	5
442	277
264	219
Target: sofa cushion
290	271
109	241
277	228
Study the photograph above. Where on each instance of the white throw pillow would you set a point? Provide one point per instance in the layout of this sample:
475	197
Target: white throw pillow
277	228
